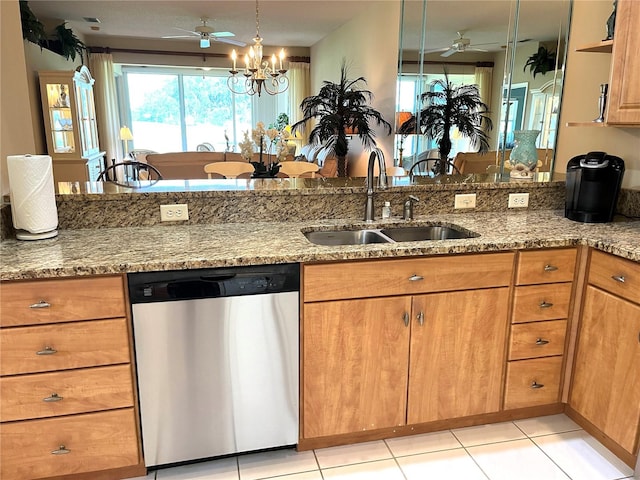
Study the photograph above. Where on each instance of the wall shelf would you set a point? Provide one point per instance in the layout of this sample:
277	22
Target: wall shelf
586	124
605	46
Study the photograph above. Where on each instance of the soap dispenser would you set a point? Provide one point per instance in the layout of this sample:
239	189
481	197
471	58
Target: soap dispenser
386	210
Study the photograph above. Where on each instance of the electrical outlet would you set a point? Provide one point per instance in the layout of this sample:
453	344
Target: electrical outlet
174	213
518	200
465	200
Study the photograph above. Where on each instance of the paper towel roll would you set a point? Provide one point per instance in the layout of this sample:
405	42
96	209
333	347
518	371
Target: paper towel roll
33	200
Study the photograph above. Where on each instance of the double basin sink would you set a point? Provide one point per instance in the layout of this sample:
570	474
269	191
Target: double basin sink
363	236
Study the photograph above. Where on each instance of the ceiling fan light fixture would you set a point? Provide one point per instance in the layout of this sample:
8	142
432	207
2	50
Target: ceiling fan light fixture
258	74
204	41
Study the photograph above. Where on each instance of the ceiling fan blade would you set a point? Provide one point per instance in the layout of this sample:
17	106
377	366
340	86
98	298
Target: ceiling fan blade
229	41
436	50
449	52
188	31
177	36
223	34
477	49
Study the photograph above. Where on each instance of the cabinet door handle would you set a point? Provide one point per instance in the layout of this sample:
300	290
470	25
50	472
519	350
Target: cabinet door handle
618	278
61	450
40	304
47	351
420	318
405	317
54	397
415	278
541	341
537	385
545	304
550	268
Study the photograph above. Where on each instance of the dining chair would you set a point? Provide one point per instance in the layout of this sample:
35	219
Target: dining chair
297	169
228	169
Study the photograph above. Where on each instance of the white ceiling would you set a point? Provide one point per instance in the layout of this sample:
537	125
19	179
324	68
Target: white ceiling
302	23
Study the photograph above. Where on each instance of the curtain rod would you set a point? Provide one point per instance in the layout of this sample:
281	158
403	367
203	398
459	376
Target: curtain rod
434	62
177	54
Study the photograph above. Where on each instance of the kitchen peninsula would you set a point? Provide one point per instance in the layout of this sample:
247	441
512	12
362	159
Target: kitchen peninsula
108	233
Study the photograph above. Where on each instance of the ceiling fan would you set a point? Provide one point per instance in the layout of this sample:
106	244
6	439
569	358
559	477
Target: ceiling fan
460	44
206	34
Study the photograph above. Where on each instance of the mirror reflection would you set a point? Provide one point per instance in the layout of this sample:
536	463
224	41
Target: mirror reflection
512	51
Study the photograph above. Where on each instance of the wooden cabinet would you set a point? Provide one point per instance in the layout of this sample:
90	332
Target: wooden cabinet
624	82
606	379
541	301
398	354
67	402
70	123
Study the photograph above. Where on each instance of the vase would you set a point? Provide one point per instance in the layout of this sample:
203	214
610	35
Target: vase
524	156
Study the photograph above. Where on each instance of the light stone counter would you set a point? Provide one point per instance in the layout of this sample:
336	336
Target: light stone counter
135	249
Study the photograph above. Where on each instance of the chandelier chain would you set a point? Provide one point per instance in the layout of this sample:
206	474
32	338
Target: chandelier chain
257	21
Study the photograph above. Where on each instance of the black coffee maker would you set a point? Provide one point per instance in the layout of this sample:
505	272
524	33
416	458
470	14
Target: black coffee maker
593	184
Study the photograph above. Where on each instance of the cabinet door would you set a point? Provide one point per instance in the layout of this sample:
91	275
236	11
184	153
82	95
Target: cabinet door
606	379
355	355
457	354
624	92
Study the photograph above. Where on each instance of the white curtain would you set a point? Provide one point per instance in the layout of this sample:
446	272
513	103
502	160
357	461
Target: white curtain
104	91
299	88
484	80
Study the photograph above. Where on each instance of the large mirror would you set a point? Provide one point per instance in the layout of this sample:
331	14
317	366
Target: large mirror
500	46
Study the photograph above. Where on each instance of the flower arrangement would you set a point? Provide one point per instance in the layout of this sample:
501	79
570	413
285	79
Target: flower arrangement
270	142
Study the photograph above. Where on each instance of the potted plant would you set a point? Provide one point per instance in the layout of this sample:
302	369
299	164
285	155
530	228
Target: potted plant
541	62
67	44
448	106
340	108
32	28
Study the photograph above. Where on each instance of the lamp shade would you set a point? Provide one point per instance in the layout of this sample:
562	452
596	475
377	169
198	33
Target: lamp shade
125	133
401	118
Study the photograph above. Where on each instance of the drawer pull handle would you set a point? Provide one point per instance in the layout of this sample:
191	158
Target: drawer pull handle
537	385
420	317
619	278
61	450
545	304
47	351
54	397
541	341
405	317
40	304
550	268
415	278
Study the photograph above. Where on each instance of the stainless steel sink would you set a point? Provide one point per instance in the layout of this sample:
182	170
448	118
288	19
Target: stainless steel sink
346	237
388	235
430	232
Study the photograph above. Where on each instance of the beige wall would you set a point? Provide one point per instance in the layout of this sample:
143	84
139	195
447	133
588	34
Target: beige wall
16	129
585	73
369	42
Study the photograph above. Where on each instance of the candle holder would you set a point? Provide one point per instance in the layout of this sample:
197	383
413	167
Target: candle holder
602	102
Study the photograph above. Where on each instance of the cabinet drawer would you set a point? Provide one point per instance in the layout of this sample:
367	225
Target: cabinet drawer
406	276
41	395
538	339
45	348
546	266
616	275
541	302
532	382
95	441
68	299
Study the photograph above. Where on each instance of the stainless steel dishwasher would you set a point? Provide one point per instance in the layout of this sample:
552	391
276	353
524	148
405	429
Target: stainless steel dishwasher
217	360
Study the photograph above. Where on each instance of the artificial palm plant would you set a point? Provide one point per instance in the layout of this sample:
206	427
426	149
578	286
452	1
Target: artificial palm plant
342	109
448	106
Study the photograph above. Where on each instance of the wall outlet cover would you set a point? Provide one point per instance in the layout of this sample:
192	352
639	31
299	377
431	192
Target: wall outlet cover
174	213
518	200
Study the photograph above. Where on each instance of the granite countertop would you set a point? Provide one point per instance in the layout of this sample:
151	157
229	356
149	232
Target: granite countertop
136	249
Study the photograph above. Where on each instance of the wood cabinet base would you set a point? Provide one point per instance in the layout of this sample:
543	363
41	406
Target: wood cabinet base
111	474
592	430
382	433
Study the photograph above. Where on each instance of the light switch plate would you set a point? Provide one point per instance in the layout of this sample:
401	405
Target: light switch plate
465	200
174	213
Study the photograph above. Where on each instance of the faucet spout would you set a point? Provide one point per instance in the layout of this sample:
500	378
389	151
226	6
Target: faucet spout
369	214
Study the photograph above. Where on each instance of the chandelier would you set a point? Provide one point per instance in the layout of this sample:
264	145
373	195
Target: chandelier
258	75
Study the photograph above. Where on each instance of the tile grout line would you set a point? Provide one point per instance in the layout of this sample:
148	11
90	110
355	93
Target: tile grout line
395	459
470	456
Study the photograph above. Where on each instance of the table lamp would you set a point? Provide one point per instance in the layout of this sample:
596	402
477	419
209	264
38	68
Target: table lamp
125	136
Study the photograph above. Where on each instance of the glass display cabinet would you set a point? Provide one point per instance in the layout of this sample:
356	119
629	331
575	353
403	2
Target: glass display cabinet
70	124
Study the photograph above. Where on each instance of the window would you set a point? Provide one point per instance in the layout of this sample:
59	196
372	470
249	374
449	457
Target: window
176	109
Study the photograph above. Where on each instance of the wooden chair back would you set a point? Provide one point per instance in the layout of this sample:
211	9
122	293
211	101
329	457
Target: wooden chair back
297	169
228	169
396	172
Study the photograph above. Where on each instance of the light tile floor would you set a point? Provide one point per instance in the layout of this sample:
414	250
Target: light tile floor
544	448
